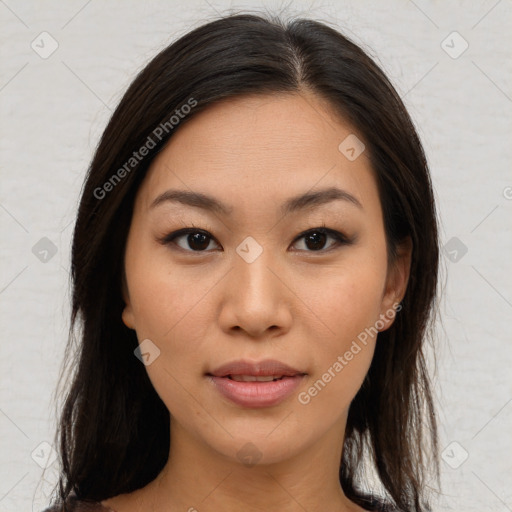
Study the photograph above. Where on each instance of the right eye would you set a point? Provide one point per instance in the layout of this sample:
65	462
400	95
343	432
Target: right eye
197	240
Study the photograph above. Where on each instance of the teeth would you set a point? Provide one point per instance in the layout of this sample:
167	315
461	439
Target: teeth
252	378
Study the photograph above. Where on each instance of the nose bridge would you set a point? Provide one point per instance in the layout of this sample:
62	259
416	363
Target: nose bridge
255	282
255	295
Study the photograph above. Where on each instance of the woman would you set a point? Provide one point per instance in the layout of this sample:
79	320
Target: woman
254	268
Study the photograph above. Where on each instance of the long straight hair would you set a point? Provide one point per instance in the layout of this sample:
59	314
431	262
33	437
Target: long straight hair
113	429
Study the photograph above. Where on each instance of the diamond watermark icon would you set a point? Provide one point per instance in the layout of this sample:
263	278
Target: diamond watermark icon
249	455
352	147
454	455
44	250
147	352
455	249
44	455
249	249
44	45
454	45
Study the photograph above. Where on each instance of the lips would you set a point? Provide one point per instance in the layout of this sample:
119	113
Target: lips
256	384
253	378
266	368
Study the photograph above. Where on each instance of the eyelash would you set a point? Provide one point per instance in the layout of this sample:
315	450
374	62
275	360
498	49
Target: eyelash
340	238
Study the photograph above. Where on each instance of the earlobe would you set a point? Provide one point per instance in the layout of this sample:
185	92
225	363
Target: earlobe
396	284
127	317
127	314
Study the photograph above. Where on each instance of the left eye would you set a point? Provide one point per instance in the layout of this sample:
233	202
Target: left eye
199	240
315	239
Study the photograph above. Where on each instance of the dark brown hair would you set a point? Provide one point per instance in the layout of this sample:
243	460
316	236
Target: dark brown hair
113	427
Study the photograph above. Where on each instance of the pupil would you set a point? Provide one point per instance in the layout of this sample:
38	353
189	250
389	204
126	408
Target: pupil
317	239
198	241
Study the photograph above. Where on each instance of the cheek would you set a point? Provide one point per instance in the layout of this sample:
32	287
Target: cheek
346	300
347	305
163	296
166	303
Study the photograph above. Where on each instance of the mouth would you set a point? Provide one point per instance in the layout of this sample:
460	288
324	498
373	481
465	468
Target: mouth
254	378
265	368
256	384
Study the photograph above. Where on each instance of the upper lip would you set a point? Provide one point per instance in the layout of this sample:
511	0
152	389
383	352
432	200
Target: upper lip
257	368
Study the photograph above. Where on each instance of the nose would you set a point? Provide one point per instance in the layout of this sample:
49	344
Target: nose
255	298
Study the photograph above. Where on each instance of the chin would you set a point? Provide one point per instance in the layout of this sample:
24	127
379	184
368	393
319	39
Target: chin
260	442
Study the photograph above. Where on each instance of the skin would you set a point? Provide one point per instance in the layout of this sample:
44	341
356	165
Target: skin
295	304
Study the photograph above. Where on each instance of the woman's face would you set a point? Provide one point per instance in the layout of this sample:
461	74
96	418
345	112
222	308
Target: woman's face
256	280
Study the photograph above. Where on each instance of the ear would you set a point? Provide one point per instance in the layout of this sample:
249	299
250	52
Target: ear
127	314
396	283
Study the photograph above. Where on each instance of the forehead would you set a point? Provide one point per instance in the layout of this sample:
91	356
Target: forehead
266	147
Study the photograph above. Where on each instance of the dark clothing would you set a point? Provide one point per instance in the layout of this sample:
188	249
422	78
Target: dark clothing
75	505
80	506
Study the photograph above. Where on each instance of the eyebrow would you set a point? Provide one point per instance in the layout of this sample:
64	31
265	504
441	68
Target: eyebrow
304	201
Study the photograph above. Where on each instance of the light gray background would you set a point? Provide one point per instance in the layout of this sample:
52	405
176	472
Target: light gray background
54	109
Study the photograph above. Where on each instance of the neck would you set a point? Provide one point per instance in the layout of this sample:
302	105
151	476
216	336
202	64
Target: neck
198	478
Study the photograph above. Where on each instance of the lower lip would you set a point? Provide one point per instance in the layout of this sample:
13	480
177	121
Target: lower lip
257	394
